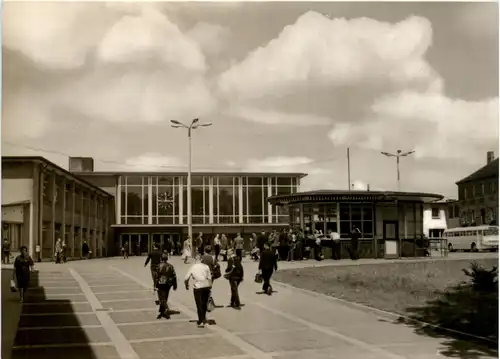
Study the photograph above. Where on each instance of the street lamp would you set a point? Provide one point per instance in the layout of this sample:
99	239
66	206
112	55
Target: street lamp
397	155
194	125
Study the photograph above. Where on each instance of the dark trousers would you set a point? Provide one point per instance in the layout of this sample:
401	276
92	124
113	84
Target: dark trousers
317	252
5	258
283	252
163	292
336	250
354	252
298	249
266	278
217	252
153	275
239	253
201	296
235	296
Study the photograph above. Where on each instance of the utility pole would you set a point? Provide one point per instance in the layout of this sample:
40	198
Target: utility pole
348	170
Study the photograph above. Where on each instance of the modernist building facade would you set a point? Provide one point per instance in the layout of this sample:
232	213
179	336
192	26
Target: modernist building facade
42	202
151	206
391	223
478	195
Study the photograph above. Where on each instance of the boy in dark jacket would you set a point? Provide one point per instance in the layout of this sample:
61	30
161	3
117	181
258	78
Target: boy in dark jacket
166	279
267	265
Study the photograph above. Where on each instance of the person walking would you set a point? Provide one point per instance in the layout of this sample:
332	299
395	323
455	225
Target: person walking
234	274
217	246
64	249
85	250
224	247
125	250
186	249
267	265
201	276
168	245
214	266
355	236
335	241
283	248
155	257
166	279
199	245
261	240
58	251
5	251
23	266
238	246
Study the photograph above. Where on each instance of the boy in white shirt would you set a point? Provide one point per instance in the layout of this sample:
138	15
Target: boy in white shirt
202	286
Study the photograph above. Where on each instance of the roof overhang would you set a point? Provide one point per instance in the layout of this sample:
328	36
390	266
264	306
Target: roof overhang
353	196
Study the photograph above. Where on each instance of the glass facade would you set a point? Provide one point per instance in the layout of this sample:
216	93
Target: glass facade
216	199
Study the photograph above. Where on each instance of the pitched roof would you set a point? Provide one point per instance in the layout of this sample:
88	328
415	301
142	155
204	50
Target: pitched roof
488	171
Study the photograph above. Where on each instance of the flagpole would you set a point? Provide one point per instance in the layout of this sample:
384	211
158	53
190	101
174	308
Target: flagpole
348	170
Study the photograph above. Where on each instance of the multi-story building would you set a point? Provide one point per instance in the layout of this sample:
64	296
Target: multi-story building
151	206
478	195
42	202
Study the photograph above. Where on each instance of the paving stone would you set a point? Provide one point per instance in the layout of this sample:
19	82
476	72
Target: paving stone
58	320
131	304
290	340
196	348
56	308
141	316
162	329
114	288
43	290
30	298
52	283
331	353
61	336
256	319
129	295
123	282
84	352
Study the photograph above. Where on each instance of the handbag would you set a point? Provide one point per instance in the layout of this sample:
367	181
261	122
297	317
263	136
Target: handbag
210	304
13	286
258	278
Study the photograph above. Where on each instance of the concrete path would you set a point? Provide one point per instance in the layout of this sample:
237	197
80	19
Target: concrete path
104	309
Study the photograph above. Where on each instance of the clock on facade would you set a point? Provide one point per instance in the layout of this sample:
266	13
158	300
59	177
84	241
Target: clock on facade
165	200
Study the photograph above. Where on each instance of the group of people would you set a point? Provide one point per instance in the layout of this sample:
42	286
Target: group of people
61	250
204	272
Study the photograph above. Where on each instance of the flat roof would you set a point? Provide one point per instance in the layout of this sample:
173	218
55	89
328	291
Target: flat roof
57	168
194	173
353	196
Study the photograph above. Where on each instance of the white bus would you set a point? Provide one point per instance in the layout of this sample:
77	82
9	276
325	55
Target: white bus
472	238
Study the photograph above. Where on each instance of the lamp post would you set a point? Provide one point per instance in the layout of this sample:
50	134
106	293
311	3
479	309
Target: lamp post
398	154
194	125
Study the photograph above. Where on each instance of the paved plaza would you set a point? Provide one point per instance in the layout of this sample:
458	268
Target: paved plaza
104	309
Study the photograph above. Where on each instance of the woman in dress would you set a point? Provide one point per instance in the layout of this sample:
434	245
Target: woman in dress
23	266
234	273
186	249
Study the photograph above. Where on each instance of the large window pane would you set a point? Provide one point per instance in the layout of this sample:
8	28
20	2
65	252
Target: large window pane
284	181
225	181
145	202
165	181
283	190
367	213
255	181
197	201
226	201
244	199
196	181
134	201
355	212
344	212
134	181
255	201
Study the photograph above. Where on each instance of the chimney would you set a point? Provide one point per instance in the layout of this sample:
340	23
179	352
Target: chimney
81	164
490	156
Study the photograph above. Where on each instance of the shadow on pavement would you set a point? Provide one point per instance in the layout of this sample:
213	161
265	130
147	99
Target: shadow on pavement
470	307
49	328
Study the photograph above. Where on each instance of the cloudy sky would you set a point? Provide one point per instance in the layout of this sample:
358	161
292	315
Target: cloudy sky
287	86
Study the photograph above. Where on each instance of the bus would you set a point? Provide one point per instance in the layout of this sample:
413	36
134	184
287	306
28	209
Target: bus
473	239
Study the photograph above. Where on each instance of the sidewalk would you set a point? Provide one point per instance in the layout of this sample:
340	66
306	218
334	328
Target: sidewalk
109	313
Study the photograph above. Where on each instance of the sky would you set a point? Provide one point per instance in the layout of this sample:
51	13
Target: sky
287	86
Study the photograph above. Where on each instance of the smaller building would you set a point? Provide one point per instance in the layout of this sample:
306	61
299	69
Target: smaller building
389	221
42	202
478	195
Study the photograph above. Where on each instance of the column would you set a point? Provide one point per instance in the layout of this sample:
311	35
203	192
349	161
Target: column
89	224
63	224
73	215
118	197
211	199
106	225
95	239
301	213
150	201
240	201
269	194
181	201
82	194
53	194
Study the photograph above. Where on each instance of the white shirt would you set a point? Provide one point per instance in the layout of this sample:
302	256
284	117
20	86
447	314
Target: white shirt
217	241
335	236
201	275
